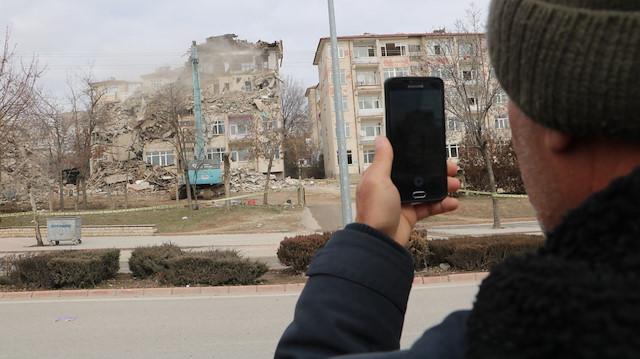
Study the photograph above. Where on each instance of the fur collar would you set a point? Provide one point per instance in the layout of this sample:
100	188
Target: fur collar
578	297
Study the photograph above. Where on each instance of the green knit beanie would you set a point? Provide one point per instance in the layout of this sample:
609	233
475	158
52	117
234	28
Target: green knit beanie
570	65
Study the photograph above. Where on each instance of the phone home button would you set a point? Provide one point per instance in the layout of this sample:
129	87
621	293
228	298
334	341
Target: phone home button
419	194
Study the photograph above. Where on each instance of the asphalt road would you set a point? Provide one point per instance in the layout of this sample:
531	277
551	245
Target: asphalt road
238	326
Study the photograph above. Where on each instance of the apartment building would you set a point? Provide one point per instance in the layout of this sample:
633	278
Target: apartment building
365	61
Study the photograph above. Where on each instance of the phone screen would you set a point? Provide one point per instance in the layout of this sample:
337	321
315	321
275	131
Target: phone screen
415	128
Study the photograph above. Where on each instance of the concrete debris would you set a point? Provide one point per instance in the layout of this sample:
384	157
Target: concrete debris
245	180
116	178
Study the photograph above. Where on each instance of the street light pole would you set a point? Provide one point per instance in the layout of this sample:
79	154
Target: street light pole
343	167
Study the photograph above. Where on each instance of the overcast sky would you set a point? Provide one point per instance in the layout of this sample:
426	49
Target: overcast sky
127	38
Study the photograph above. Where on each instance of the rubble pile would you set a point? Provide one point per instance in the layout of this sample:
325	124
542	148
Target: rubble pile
246	180
263	100
139	174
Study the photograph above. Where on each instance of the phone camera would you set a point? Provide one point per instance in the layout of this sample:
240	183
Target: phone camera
418	181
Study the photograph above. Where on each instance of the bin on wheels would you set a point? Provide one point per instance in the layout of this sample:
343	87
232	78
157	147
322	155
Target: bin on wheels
64	229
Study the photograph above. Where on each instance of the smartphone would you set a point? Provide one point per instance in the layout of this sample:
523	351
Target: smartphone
414	119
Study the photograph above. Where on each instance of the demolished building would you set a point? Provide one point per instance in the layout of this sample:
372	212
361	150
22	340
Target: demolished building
240	85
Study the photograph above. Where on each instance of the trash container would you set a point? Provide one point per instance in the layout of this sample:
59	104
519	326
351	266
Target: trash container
64	229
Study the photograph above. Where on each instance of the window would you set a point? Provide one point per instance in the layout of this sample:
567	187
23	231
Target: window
269	124
466	49
439	47
437	71
276	155
247	86
395	72
371	129
345	103
226	86
215	154
246	66
156	84
502	122
343	77
453	124
239	125
364	51
112	91
349	157
471	101
500	97
393	49
368	102
453	150
347	130
160	158
340	50
368	155
414	48
468	74
239	155
368	77
217	127
216	89
416	68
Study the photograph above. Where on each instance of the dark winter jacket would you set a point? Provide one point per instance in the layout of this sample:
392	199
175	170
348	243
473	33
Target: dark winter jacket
578	297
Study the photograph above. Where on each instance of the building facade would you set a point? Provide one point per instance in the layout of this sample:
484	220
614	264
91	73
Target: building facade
366	61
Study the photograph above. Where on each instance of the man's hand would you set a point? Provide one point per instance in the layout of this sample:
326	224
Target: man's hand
378	199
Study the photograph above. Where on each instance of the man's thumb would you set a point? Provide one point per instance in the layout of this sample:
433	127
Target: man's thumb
383	157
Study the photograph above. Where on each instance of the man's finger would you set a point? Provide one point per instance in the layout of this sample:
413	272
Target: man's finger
383	157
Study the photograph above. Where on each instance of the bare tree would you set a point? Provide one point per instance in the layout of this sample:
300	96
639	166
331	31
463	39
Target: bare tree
169	107
296	122
89	114
55	136
17	92
265	143
462	61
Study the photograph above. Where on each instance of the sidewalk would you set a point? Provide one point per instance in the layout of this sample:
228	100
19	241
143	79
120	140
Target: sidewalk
483	229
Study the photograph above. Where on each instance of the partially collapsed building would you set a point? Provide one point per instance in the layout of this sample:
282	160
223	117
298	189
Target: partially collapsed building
240	84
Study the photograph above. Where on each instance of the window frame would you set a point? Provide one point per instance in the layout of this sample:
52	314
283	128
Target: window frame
451	148
217	127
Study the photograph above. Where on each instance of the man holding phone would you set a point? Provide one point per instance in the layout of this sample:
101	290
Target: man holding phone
569	68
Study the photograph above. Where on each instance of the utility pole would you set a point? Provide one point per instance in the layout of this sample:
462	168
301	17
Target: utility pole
343	166
197	106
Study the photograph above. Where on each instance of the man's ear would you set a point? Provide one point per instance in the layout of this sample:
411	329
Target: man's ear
557	141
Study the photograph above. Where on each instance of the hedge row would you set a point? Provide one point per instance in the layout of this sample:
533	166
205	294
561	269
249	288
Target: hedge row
463	253
73	268
480	253
297	252
170	264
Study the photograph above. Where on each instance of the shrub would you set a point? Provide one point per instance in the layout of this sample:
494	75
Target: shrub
479	253
419	249
213	268
151	261
82	268
297	252
505	167
171	264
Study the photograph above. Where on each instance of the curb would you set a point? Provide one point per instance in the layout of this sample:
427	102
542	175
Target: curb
418	281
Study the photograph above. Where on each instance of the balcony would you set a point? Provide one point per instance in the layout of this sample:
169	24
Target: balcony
366	60
371	112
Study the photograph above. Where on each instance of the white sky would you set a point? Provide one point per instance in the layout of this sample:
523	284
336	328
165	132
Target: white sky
128	38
